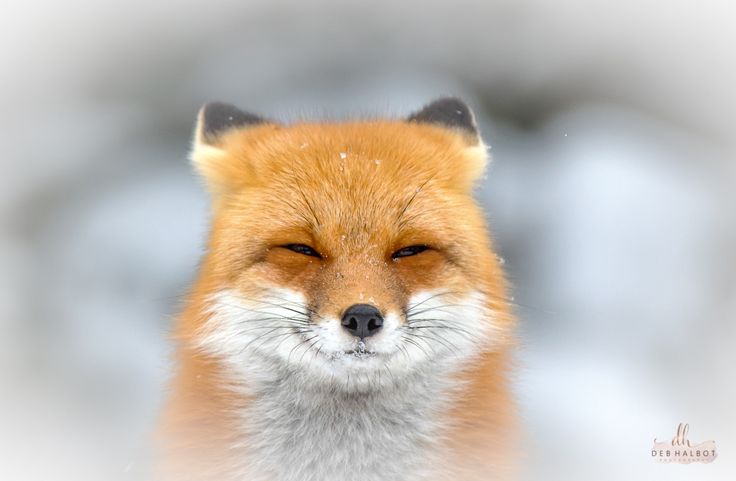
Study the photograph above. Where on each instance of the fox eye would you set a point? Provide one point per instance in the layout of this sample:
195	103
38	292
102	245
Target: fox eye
409	251
303	249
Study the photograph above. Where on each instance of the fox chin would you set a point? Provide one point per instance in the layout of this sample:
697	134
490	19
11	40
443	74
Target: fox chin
350	319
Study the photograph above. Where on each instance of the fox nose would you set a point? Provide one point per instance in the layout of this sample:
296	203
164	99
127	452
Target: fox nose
362	320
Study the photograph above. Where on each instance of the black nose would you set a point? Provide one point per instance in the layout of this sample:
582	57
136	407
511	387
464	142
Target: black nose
362	320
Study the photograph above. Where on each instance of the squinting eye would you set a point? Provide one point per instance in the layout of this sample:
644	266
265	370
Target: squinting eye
409	251
302	249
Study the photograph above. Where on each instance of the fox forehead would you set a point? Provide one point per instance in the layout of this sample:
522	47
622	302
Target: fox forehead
356	177
352	157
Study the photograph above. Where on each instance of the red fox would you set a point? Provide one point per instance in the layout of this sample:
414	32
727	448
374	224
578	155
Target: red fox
350	319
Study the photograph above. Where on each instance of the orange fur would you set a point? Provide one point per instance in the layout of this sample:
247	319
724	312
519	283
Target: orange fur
274	185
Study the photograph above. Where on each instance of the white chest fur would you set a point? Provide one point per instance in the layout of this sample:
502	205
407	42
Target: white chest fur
295	432
313	417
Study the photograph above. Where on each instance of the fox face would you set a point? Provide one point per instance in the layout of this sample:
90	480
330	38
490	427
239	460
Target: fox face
350	253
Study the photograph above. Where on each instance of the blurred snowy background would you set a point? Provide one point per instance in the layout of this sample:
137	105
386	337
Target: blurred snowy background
611	197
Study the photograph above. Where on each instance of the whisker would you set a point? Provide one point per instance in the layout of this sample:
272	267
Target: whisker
275	326
260	328
311	345
411	341
281	306
440	308
402	348
443	293
401	222
284	335
243	308
319	349
422	212
288	359
437	324
261	337
452	347
301	332
298	304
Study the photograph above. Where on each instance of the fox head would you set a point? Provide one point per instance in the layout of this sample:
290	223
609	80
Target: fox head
352	253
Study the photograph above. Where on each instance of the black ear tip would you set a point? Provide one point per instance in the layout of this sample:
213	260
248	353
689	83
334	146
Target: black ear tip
452	103
451	112
215	118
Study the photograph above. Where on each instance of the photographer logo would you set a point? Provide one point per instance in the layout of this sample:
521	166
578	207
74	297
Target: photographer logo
682	450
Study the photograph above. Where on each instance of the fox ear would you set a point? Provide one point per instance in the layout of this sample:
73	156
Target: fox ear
452	113
449	112
215	119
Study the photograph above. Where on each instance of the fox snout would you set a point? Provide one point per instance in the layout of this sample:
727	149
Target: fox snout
362	320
